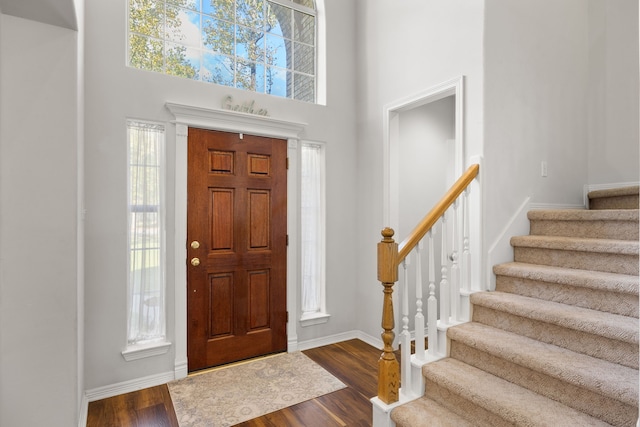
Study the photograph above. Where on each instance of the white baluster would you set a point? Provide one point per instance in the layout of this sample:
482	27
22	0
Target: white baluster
444	283
405	336
432	302
454	283
466	254
419	319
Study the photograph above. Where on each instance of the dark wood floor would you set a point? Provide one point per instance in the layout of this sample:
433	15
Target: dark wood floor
354	362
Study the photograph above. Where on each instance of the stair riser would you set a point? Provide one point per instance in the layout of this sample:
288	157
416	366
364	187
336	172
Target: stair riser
461	406
620	230
610	410
593	345
597	261
595	299
618	202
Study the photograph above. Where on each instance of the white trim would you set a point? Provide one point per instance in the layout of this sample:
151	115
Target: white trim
140	351
345	336
537	206
314	319
390	166
234	121
128	386
229	121
501	250
84	411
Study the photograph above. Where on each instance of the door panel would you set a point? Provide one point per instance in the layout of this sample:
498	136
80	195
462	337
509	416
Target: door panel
236	304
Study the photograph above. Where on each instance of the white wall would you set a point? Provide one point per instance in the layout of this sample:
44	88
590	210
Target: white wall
613	92
406	48
115	92
426	159
536	68
38	224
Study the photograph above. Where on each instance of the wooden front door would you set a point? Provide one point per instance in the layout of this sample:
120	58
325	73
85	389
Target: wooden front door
236	247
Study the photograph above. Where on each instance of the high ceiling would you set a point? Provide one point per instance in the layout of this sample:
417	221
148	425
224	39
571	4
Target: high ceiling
60	13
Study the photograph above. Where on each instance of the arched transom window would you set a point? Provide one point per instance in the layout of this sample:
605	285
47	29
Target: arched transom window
266	46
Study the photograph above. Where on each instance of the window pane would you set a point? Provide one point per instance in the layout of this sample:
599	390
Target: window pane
146	287
305	28
276	83
218	35
250	13
249	44
189	4
304	87
307	3
217	69
247	76
277	51
273	14
304	58
146	53
146	17
283	17
312	228
186	29
183	61
221	9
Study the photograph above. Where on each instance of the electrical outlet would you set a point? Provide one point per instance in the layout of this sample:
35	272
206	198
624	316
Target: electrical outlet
543	169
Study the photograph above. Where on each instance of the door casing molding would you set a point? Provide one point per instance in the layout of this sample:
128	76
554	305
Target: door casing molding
391	139
186	116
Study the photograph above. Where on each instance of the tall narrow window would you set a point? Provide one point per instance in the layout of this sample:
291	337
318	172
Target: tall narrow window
312	219
146	284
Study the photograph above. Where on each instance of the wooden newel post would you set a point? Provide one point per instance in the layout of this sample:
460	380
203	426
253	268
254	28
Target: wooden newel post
388	368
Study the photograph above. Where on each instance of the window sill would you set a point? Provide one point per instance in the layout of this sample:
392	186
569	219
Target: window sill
136	352
314	319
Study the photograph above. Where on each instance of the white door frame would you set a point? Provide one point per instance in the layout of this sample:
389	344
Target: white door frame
229	121
391	140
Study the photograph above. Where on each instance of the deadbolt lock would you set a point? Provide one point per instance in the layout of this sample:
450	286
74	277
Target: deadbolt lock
195	244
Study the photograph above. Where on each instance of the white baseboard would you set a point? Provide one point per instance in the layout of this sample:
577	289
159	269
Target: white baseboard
538	206
128	386
332	339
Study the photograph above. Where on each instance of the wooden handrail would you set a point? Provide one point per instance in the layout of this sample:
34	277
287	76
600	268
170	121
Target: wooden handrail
407	245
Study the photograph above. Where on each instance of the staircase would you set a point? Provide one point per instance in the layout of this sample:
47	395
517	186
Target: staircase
556	344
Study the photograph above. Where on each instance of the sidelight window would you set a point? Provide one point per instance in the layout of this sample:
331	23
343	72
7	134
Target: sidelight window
312	219
146	233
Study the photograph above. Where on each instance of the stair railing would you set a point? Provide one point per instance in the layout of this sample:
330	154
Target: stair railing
453	280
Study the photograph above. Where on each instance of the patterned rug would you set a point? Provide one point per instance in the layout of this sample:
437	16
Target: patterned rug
230	395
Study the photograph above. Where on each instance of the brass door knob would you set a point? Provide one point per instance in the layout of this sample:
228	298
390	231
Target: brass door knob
195	244
195	262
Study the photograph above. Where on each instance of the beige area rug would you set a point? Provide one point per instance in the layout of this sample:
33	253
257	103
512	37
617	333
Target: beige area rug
230	395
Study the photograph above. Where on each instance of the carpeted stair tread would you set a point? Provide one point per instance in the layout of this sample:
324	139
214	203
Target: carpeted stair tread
605	378
619	224
613	326
614	198
615	192
584	215
580	244
611	255
609	292
418	411
614	282
510	402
